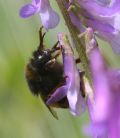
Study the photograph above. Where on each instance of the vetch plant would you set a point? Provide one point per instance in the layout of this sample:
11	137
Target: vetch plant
85	20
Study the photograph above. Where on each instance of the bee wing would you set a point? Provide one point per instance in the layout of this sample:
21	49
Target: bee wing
53	112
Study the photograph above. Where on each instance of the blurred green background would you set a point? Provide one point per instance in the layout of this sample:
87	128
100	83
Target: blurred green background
21	114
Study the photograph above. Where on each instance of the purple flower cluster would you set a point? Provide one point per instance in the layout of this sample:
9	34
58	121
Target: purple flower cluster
49	17
102	15
103	18
104	107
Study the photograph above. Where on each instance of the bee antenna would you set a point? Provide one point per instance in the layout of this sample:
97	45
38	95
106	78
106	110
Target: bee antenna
41	38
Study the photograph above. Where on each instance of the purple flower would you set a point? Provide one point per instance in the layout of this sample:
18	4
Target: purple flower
72	87
104	17
49	17
104	107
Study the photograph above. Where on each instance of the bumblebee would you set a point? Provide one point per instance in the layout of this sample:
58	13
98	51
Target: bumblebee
44	74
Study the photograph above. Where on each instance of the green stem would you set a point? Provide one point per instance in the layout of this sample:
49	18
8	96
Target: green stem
74	34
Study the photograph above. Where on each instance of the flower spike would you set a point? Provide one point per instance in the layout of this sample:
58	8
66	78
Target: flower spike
104	107
72	87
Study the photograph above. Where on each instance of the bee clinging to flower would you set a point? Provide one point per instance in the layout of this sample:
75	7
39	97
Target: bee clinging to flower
57	84
44	74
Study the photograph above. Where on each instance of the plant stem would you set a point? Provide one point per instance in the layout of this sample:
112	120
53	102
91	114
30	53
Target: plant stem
74	34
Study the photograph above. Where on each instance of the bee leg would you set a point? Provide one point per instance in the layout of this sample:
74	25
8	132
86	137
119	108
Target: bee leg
57	55
82	85
77	60
50	63
41	37
56	47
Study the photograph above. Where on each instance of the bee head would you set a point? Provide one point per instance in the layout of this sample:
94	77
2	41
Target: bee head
40	58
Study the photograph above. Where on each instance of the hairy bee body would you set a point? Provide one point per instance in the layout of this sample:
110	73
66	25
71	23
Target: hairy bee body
44	75
44	82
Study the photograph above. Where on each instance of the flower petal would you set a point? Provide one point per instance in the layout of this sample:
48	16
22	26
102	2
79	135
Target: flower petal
59	94
49	18
104	107
75	99
101	108
76	102
36	2
27	11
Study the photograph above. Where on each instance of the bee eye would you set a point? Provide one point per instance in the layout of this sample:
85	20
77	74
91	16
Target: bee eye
45	52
